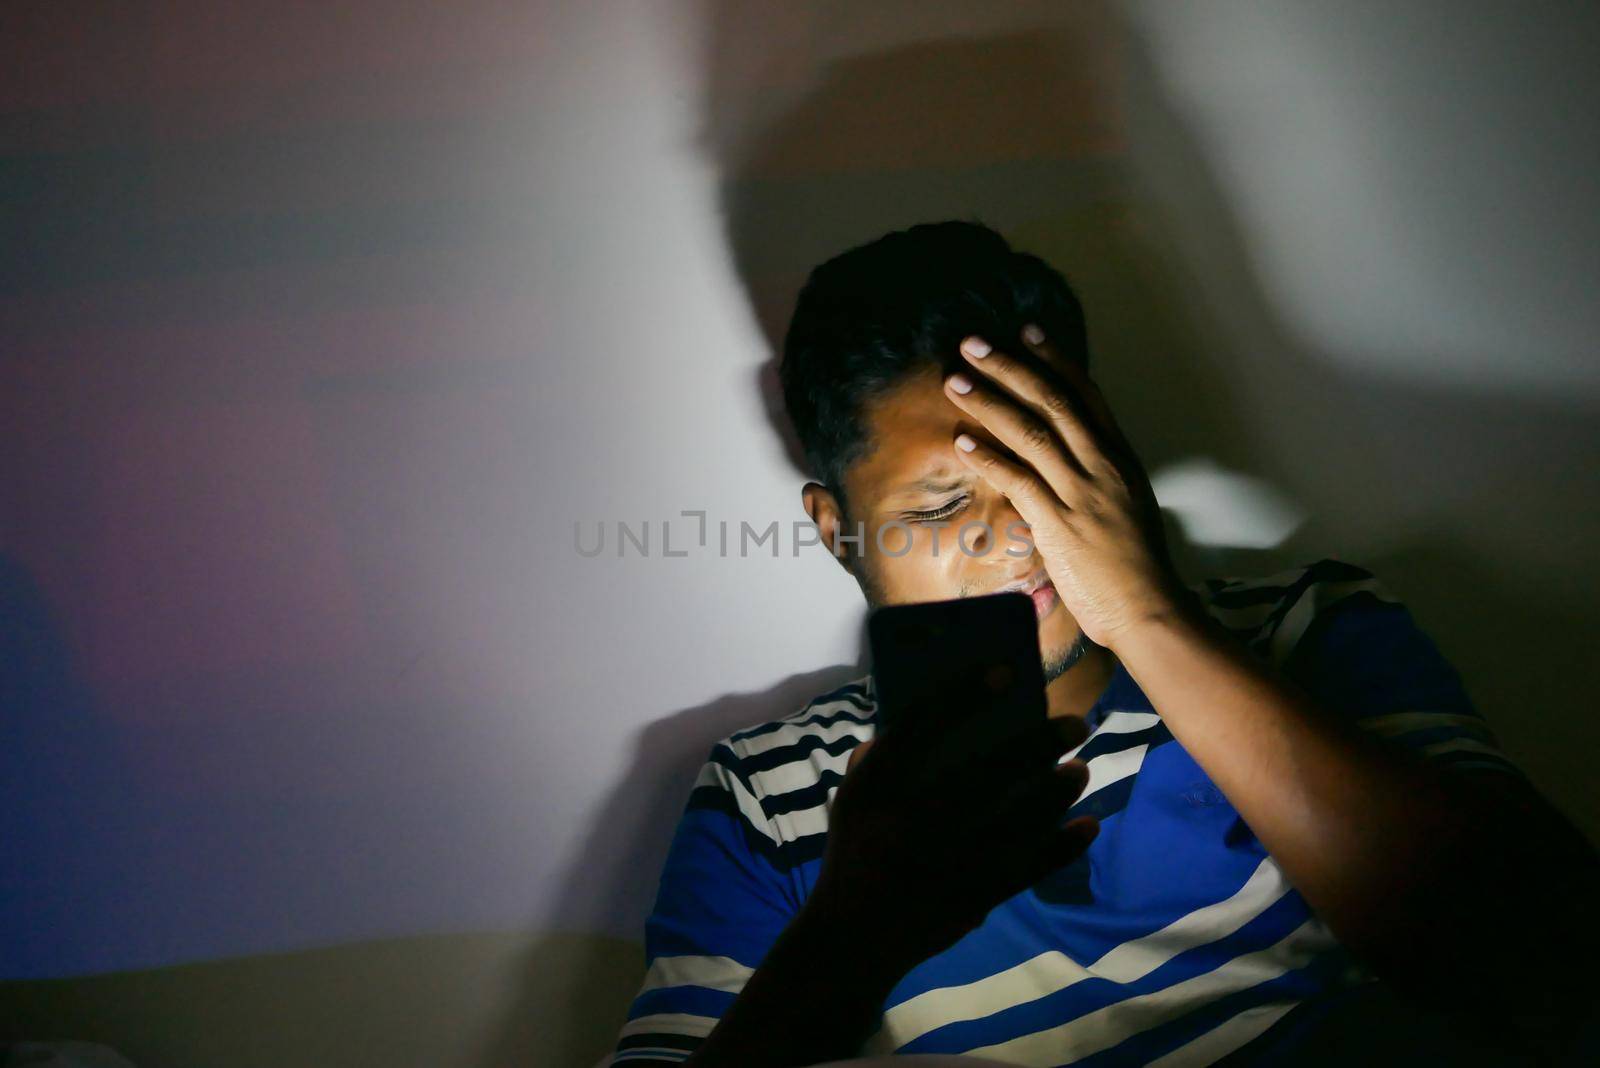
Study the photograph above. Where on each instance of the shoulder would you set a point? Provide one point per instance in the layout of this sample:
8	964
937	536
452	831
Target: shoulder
1278	614
787	768
1346	639
851	702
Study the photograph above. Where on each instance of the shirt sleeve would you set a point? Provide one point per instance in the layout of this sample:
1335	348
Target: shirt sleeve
1363	656
723	900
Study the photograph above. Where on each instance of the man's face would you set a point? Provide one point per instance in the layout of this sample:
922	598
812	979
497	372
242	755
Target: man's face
911	477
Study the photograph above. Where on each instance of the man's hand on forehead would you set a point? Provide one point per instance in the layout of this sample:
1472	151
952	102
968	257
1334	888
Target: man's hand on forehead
1073	477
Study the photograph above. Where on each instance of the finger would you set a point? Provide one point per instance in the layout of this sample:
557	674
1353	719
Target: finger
973	770
1038	503
1075	371
1071	778
1050	398
1095	400
1062	846
1028	435
1070	732
1037	341
1027	860
1069	843
1058	791
975	778
1017	803
857	754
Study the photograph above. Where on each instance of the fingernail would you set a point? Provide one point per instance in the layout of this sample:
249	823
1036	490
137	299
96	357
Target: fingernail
965	443
1032	334
976	347
960	383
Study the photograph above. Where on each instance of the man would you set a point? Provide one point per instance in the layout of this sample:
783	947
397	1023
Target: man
1279	797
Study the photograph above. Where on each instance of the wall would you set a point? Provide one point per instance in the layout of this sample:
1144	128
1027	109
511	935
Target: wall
324	324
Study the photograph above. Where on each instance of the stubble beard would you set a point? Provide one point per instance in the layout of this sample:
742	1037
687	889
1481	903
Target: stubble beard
1057	666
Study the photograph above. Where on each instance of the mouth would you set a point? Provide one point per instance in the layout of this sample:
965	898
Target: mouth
1039	588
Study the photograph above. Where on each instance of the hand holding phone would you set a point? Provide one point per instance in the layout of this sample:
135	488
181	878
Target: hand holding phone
957	803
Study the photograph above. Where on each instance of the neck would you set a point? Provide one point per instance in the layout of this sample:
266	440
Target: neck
1076	690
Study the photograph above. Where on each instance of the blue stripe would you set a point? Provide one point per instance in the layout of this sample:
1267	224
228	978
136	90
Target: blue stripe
729	890
1108	742
1363	657
803	798
1465	761
690	1000
860	712
716	896
798	750
1302	983
1090	995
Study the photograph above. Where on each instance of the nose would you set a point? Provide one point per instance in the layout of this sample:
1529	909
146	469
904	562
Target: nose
1004	542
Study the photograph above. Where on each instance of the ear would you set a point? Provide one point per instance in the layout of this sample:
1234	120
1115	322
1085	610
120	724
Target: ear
823	508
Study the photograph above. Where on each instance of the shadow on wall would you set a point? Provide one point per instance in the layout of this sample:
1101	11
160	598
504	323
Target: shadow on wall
67	798
627	847
1082	159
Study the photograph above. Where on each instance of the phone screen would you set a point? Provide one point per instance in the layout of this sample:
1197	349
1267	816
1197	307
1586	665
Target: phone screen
973	661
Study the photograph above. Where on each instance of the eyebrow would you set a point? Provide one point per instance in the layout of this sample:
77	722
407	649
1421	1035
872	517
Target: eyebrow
935	484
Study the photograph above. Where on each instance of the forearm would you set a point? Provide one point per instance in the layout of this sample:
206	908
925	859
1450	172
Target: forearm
814	998
1307	787
1421	871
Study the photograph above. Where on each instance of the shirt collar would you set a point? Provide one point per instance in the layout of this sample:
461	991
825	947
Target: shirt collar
1121	694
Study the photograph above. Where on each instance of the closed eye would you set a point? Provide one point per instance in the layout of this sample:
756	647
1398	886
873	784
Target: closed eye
944	511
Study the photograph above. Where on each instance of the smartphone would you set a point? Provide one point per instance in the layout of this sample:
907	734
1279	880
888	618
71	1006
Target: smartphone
973	661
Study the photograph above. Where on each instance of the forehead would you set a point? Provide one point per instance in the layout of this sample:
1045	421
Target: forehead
910	429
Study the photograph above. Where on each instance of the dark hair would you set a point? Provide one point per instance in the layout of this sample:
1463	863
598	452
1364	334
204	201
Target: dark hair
873	314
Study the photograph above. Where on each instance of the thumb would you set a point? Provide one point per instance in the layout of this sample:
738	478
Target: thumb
1069	843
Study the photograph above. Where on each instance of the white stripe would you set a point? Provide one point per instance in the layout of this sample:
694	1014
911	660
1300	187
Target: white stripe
1243	616
1277	578
801	773
1114	723
798	824
713	973
1316	599
718	776
1054	971
654	1054
1396	724
1292	626
1132	961
1107	1026
1122	722
1103	773
805	770
1282	581
669	1023
1286	577
1462	745
1113	767
1225	1037
790	734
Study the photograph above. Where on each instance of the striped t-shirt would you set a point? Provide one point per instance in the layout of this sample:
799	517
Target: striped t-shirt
1174	940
